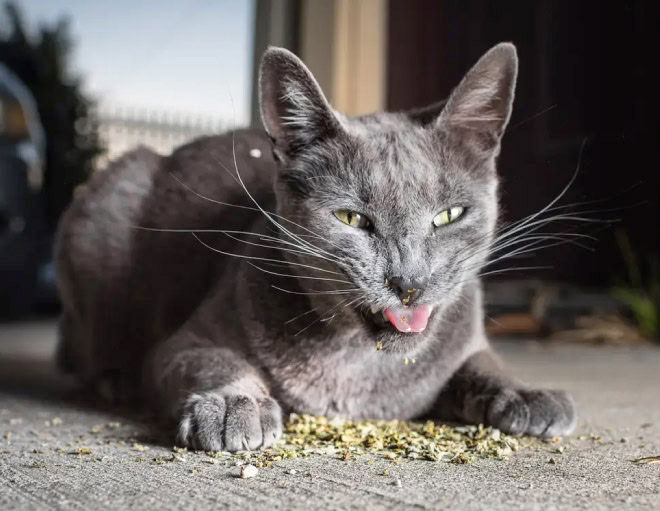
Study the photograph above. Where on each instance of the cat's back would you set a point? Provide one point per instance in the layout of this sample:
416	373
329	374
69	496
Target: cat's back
123	286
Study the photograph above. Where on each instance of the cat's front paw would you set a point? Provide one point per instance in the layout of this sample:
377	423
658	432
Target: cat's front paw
544	413
219	421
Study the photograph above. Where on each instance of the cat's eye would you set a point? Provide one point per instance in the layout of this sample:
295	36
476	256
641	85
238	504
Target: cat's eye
448	216
352	218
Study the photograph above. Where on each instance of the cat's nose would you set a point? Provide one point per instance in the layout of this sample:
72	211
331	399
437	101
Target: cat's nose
408	289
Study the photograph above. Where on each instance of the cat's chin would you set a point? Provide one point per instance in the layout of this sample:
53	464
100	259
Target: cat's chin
390	338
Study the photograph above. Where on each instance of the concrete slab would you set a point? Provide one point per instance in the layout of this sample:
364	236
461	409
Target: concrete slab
617	390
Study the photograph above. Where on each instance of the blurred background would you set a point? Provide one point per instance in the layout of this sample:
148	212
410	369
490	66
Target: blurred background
81	82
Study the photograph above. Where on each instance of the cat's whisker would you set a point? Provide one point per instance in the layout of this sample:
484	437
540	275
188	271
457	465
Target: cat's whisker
508	239
298	276
322	176
222	203
525	249
531	241
478	276
204	197
241	256
229	233
317	292
523	223
268	215
568	185
542	112
357	304
524	237
299	316
283	249
284	242
319	318
343	311
515	268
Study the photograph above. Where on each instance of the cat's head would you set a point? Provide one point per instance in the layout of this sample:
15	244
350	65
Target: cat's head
396	210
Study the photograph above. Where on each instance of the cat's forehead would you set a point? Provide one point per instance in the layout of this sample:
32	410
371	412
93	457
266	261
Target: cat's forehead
396	157
385	160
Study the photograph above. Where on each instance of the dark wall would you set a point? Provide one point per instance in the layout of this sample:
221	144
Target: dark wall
590	63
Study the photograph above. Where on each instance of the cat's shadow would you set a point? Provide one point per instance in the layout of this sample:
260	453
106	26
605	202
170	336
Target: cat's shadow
35	384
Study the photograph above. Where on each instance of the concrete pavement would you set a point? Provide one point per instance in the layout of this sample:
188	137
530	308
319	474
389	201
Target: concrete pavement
56	453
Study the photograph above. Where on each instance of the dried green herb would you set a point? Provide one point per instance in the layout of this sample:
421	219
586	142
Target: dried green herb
81	450
306	435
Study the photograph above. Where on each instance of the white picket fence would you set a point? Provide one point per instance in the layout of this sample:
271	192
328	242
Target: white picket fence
121	129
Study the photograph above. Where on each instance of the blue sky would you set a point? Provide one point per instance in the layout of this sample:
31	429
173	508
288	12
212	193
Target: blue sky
188	56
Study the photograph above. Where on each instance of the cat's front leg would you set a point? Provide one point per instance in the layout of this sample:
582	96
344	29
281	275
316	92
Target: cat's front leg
480	393
219	400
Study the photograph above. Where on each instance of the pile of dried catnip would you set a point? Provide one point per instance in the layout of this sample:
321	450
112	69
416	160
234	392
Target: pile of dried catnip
306	435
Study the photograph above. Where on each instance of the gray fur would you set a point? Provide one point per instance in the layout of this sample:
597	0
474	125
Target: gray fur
154	304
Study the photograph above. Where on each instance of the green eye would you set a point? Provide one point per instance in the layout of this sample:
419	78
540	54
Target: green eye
447	216
352	218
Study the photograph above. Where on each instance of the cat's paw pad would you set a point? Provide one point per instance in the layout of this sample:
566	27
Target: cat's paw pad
215	421
544	413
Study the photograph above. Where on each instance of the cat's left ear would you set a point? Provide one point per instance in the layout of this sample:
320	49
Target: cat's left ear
481	104
294	110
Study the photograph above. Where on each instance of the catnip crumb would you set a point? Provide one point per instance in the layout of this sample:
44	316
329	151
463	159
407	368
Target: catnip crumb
249	471
81	450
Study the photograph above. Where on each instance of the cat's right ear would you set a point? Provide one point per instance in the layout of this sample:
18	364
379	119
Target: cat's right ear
480	107
294	110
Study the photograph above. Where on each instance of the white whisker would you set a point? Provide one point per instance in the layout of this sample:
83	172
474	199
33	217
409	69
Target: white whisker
298	276
241	256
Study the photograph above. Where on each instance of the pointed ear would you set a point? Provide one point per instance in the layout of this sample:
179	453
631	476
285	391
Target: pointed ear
481	104
294	110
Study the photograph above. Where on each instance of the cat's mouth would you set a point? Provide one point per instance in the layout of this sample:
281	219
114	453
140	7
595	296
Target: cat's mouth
404	319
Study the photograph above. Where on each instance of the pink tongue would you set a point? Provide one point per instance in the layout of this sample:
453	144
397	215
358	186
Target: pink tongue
409	319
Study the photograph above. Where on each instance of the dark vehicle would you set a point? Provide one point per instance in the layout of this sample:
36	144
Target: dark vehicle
22	233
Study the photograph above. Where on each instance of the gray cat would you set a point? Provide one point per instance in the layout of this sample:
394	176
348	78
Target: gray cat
327	266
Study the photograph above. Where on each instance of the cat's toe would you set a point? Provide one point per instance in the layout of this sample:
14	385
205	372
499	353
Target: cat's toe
201	425
508	412
552	413
543	413
215	421
242	424
271	420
